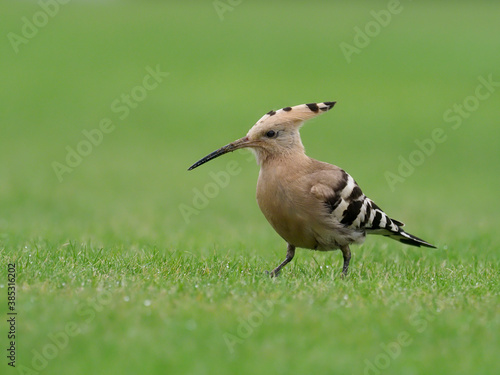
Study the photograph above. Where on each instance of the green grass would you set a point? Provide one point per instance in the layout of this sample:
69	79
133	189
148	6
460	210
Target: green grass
108	267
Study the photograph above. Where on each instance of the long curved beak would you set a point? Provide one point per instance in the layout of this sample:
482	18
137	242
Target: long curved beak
240	143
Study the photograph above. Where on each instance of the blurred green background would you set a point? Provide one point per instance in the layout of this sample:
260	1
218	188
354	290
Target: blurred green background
228	63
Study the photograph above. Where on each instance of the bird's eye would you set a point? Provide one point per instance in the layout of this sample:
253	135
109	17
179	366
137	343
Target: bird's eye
270	134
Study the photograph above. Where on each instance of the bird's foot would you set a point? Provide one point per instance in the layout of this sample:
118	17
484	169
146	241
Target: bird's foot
343	275
273	273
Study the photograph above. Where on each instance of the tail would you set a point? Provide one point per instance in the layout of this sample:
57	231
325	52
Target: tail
409	239
382	224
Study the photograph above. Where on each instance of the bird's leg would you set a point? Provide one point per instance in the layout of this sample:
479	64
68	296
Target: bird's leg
347	257
290	252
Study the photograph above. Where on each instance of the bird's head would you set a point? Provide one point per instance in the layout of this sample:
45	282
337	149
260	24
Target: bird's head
275	134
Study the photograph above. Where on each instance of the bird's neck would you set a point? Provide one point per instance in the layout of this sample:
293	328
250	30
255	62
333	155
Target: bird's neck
293	158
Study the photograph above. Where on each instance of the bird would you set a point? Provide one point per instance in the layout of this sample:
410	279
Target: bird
309	203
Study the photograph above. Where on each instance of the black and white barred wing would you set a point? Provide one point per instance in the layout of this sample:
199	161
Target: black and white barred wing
352	209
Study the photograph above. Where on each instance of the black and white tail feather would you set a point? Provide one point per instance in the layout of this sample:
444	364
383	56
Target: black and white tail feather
392	228
357	212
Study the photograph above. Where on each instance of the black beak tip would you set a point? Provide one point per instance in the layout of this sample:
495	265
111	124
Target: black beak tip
197	164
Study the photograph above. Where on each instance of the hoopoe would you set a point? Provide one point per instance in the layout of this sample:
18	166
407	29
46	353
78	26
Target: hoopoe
309	203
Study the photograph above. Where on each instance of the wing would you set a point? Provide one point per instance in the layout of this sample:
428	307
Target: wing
344	201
